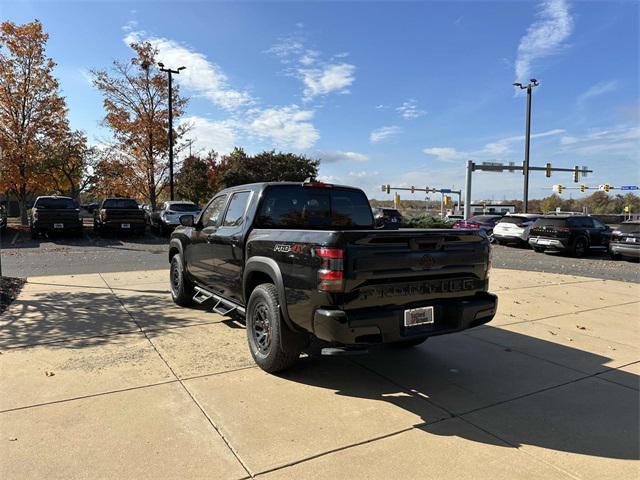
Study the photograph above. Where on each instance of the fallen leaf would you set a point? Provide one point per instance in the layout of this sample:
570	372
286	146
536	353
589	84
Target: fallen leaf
581	327
49	374
13	439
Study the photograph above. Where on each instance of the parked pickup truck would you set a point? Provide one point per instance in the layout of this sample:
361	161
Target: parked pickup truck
55	214
118	215
304	259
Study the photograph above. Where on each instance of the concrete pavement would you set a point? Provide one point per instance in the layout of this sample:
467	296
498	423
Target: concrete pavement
103	377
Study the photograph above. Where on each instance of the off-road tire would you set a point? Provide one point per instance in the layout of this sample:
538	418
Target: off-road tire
273	346
580	247
35	235
181	287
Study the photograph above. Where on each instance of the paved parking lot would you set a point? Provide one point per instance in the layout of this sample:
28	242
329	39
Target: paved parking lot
103	377
24	257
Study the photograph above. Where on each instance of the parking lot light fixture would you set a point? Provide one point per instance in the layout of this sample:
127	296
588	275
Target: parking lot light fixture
170	73
525	166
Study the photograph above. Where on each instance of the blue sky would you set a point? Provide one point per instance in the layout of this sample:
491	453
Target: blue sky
381	92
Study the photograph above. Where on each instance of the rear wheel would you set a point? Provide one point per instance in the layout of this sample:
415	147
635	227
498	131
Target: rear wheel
181	286
538	249
34	234
273	345
580	247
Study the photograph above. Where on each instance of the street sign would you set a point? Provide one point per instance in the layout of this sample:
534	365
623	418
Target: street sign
629	187
445	190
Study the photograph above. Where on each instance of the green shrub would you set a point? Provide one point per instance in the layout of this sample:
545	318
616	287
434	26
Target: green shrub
426	221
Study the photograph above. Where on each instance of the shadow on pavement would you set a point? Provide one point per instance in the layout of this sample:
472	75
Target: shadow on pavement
586	415
86	318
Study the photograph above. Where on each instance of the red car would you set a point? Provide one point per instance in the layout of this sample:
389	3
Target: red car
479	222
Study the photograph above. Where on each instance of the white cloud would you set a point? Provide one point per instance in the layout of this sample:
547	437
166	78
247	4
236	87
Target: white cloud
410	110
330	78
546	36
384	133
287	126
320	77
338	156
598	89
220	136
445	154
363	174
618	140
495	150
201	75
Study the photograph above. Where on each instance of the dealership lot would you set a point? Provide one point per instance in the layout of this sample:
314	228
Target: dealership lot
22	256
102	376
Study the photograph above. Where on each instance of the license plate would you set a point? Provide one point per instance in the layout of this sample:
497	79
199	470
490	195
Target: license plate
418	316
631	240
125	225
544	241
58	225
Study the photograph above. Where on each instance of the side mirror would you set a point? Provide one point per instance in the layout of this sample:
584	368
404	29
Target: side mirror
186	220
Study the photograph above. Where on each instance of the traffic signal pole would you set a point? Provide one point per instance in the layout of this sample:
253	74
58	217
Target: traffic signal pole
527	145
467	190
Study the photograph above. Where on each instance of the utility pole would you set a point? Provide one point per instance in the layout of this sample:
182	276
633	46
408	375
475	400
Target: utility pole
527	141
170	74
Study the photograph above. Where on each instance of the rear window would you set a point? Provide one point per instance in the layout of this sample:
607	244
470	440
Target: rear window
183	207
308	207
516	220
55	203
125	203
551	222
629	228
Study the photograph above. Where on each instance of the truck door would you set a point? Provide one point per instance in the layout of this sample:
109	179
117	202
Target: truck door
227	247
200	259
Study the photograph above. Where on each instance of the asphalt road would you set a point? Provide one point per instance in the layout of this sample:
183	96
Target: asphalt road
24	257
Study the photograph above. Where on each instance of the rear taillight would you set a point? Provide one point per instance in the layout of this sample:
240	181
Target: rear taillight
331	273
561	229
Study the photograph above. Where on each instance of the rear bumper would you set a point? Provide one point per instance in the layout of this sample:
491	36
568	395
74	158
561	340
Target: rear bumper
514	238
386	325
628	250
550	243
50	227
116	226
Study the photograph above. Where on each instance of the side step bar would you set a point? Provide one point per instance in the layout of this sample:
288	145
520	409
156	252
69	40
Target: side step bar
222	307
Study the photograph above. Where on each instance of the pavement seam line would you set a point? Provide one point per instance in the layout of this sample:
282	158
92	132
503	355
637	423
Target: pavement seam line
121	390
522	451
188	392
346	447
567	313
92	395
555	284
515	349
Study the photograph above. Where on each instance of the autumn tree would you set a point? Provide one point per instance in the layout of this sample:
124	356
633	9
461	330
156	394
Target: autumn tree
238	168
32	112
192	181
111	177
69	163
136	96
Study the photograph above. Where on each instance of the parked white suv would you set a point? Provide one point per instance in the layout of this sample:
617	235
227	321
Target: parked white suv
514	228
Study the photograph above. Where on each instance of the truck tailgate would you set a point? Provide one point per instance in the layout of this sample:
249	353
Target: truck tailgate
402	267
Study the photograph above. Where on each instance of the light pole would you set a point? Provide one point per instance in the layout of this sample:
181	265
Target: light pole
170	74
527	141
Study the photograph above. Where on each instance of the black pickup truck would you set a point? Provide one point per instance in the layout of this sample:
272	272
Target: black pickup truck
304	259
51	214
119	215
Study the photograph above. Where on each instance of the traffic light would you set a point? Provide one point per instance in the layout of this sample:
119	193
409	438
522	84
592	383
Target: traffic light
583	187
386	188
413	189
576	174
626	209
607	187
548	170
560	188
447	201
